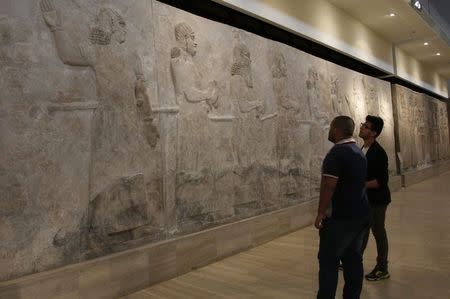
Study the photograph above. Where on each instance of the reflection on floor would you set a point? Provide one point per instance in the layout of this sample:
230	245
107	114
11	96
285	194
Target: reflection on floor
418	224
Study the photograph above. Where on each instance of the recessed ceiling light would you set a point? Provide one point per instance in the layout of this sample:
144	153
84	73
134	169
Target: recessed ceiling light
392	14
438	54
425	44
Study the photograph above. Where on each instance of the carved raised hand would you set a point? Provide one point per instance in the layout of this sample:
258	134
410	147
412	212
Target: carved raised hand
50	14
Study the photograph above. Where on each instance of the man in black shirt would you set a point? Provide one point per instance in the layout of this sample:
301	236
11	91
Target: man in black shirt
377	192
342	216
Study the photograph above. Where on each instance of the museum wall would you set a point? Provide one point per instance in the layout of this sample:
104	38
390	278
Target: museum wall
423	135
129	122
416	72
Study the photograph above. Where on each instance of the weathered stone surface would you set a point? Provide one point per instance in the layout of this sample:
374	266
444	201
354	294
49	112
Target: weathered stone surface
126	122
422	129
73	120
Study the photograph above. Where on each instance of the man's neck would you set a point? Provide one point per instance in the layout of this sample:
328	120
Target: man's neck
368	141
344	140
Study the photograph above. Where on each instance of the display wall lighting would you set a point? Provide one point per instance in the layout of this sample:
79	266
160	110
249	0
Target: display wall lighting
425	43
392	14
416	4
438	54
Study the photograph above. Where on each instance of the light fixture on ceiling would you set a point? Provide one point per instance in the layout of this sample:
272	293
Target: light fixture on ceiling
392	14
425	43
416	4
438	54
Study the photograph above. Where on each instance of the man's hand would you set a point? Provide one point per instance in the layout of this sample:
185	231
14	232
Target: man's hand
318	222
51	16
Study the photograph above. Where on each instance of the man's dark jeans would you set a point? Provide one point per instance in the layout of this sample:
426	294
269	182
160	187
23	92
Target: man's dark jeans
341	239
377	219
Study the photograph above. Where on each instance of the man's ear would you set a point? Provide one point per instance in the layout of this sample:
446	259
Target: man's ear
374	134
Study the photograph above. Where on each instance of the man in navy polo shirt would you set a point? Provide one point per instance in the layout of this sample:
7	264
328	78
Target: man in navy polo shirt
342	216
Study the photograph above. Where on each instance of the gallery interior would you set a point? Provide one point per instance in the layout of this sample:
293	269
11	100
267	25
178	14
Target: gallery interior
145	140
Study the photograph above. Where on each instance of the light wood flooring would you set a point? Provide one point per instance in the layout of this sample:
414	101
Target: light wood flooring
418	225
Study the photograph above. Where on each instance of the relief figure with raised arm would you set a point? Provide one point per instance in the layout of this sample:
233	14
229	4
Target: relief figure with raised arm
123	137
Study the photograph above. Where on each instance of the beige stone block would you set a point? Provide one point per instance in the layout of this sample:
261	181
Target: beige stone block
195	251
58	284
10	292
417	176
95	281
234	237
162	262
284	218
265	229
395	183
130	271
303	214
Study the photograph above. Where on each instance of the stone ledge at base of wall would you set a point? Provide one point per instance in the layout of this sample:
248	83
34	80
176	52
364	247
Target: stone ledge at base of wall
416	176
395	183
126	272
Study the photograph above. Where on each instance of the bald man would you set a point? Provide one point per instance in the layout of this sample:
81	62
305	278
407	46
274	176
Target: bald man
343	213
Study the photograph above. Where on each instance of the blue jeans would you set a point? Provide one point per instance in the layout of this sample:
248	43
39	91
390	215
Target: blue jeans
341	239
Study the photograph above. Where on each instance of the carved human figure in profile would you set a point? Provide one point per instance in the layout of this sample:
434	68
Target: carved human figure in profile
249	135
315	95
340	102
123	131
242	82
196	100
291	134
319	125
279	75
249	107
186	78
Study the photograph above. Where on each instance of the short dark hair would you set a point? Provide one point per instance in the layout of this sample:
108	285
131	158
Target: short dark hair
345	124
376	122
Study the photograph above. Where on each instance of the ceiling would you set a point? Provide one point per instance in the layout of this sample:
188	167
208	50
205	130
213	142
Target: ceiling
407	30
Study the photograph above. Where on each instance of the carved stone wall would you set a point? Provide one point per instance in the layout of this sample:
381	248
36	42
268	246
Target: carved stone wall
422	129
80	158
128	122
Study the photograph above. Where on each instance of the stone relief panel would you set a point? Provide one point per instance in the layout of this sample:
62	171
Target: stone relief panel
422	129
294	124
128	122
81	148
357	95
255	127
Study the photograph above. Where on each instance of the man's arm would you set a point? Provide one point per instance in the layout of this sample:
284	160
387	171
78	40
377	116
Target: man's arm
381	175
372	184
327	187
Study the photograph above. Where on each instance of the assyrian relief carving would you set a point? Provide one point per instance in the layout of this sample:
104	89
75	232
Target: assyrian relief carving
115	213
123	135
422	130
444	140
319	114
257	188
194	178
292	132
103	153
340	102
186	78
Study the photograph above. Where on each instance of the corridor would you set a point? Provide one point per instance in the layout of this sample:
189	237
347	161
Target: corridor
418	228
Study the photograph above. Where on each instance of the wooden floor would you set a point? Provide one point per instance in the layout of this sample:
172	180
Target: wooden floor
418	224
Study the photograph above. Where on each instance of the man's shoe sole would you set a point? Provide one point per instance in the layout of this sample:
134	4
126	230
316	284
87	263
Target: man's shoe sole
386	276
